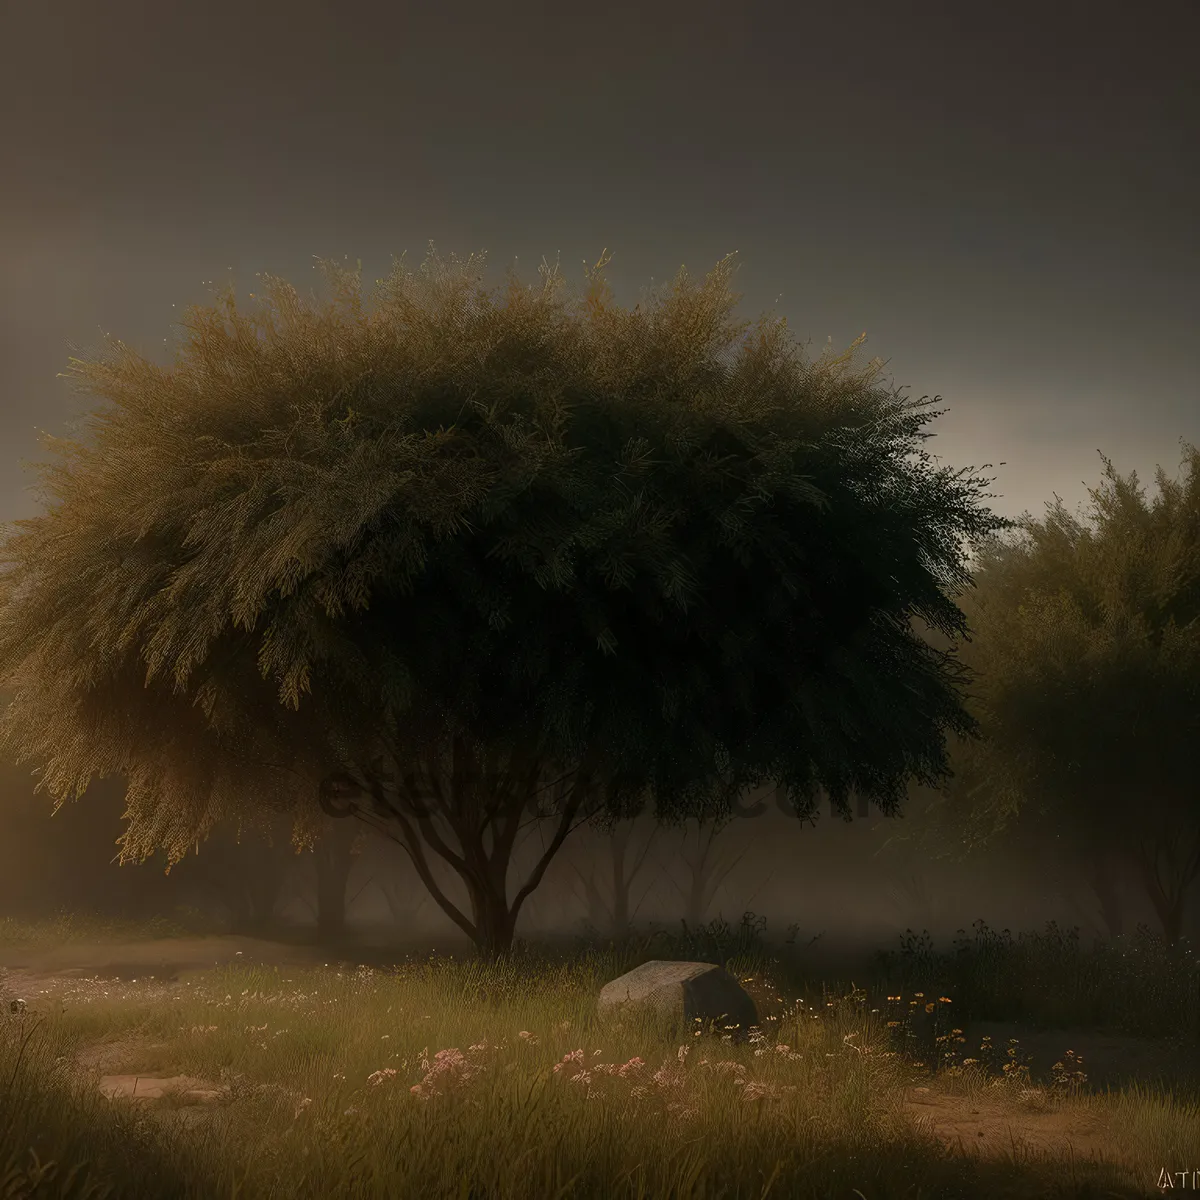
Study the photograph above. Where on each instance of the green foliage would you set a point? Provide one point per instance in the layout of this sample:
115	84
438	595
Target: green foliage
715	941
1140	986
465	548
1085	643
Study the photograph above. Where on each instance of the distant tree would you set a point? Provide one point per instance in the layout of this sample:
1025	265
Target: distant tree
614	862
1086	643
68	859
397	890
335	852
244	871
473	564
704	868
321	879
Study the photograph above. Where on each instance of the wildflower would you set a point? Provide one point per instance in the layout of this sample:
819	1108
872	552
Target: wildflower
668	1077
679	1109
377	1077
573	1057
448	1066
770	1091
727	1065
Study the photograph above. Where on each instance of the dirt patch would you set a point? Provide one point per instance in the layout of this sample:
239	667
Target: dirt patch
1028	1122
138	1070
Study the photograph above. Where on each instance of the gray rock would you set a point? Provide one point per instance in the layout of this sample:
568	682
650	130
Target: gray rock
677	994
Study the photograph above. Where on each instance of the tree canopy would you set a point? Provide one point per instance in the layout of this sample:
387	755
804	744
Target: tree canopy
1085	642
482	554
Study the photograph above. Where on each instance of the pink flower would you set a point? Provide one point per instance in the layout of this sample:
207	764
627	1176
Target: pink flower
575	1056
448	1067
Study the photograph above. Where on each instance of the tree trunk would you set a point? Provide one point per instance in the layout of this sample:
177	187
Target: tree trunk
248	877
334	862
1172	921
624	874
696	907
1169	903
598	915
621	885
1104	879
706	872
475	793
1167	874
615	919
495	922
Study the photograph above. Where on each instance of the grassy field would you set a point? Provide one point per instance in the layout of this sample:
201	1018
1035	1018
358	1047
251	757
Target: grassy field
449	1078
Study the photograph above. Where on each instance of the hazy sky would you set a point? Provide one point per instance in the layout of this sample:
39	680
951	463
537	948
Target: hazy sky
1003	196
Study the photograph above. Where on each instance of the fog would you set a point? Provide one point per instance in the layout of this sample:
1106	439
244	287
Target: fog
838	889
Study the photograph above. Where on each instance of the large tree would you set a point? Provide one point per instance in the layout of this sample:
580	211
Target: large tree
477	558
1085	638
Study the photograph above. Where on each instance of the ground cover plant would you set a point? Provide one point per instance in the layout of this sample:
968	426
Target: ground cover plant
1139	985
451	1077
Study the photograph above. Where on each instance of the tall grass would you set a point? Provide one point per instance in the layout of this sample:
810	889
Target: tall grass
67	927
448	1078
1139	986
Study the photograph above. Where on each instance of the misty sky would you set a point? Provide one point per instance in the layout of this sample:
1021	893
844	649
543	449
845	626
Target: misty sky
1003	196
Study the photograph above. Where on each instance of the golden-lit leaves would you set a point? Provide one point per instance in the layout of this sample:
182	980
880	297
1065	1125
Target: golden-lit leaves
1086	648
248	522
